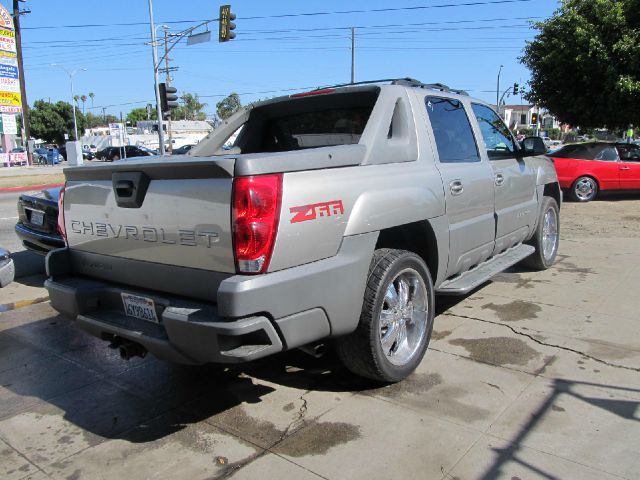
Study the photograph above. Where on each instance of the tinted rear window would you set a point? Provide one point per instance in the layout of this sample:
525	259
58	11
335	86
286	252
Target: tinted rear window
308	122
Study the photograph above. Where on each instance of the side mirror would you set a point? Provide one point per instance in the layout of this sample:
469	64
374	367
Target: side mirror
532	146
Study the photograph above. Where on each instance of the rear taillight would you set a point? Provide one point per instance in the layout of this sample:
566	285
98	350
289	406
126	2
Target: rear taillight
256	210
61	229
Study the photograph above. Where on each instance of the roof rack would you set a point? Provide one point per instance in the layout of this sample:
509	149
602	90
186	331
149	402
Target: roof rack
406	81
412	82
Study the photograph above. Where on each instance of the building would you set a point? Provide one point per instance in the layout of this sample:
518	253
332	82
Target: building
519	117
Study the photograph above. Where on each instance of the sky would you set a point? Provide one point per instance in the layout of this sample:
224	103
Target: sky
280	47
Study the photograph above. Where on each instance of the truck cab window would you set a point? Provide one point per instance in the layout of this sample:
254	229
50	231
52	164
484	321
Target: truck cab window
497	138
452	131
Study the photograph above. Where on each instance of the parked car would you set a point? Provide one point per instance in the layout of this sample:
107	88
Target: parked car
47	156
37	225
110	154
7	268
183	149
90	148
87	154
40	156
585	169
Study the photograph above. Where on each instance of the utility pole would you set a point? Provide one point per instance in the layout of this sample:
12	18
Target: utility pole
168	83
155	78
104	115
23	90
353	54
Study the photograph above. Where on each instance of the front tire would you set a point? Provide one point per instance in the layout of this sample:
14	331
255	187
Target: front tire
584	189
547	236
396	319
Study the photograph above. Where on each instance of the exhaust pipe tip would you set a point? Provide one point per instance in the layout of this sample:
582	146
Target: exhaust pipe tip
316	350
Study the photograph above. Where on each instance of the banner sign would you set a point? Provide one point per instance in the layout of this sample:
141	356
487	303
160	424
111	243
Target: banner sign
7	41
6	20
10	84
8	71
10	99
8	124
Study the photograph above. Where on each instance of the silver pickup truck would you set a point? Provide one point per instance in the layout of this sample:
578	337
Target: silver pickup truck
333	215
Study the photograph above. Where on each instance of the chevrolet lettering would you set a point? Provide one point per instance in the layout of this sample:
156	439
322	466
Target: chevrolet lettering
186	237
329	217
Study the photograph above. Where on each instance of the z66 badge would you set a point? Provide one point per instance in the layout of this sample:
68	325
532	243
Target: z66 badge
312	211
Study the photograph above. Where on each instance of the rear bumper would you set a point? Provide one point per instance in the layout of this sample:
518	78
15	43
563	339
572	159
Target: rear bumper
37	241
254	316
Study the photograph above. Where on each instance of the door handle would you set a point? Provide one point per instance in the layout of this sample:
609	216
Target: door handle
456	187
625	168
499	179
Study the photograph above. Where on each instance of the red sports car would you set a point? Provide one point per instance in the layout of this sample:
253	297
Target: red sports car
585	169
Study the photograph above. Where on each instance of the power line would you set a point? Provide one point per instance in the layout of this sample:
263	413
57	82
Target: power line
292	15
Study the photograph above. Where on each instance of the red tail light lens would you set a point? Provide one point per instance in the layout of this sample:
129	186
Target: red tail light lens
61	228
256	210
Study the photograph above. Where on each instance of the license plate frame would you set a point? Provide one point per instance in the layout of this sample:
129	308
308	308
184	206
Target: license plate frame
142	308
36	218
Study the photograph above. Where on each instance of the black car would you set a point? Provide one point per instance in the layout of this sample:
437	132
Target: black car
183	149
37	224
110	154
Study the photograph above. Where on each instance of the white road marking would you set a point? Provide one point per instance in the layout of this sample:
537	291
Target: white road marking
9	218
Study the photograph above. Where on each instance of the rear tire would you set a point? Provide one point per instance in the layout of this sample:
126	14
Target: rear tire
584	189
396	319
546	238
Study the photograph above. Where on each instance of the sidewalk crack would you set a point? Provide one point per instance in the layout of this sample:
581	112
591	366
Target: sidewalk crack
540	342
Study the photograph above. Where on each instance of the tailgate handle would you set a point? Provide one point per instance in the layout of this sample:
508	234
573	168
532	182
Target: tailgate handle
130	188
124	188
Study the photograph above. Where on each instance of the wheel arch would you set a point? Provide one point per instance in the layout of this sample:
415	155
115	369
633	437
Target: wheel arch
417	237
553	190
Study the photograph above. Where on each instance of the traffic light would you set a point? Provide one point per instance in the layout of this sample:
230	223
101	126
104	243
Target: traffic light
515	88
226	25
168	98
534	119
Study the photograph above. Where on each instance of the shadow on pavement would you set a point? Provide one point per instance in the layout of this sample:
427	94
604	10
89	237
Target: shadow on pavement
28	263
50	363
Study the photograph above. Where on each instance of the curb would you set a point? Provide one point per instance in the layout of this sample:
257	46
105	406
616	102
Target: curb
7	307
26	188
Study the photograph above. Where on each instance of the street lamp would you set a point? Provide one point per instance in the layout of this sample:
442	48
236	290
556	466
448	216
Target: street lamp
73	105
498	91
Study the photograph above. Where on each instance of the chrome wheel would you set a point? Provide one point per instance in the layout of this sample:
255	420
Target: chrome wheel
585	189
403	317
550	233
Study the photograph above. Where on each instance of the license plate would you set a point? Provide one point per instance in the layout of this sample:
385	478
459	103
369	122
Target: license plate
37	218
139	307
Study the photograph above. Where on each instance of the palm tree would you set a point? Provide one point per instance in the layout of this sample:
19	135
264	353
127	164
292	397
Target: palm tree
91	96
84	99
76	98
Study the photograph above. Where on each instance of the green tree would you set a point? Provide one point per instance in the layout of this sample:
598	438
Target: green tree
139	114
50	121
228	106
83	99
585	63
191	108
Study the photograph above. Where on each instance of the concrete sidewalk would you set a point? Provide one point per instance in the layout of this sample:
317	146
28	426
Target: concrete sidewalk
535	375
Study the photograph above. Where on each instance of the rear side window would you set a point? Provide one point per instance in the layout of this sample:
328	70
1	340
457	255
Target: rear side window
497	138
607	154
452	130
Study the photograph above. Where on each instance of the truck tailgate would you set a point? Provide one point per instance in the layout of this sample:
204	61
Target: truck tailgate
172	211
